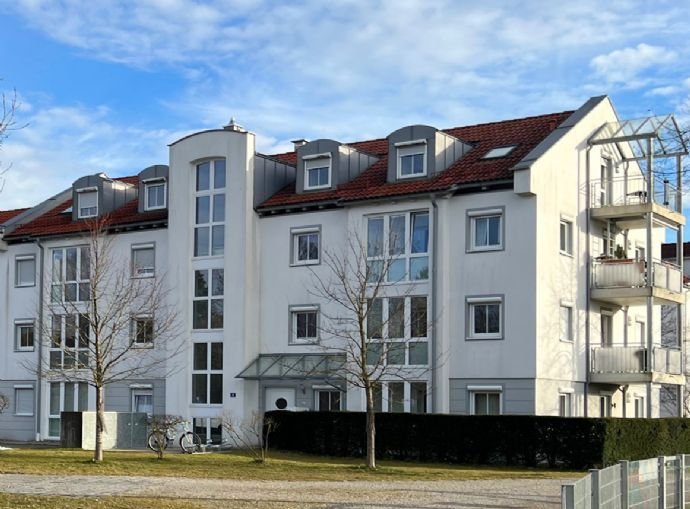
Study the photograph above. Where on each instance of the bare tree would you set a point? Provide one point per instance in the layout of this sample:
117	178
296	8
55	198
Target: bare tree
356	283
252	434
8	123
105	326
162	431
4	403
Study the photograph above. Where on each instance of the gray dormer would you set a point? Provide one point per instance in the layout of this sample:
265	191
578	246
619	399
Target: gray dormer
325	164
421	151
95	195
153	188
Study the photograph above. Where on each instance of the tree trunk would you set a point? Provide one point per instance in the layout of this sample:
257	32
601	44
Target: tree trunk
371	429
100	424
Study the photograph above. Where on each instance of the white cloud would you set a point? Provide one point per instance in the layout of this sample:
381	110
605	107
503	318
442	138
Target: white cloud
60	144
626	65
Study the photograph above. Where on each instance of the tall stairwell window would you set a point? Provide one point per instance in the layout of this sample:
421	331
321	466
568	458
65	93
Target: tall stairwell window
209	229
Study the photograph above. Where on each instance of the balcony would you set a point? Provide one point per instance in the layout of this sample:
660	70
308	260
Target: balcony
627	200
631	364
624	282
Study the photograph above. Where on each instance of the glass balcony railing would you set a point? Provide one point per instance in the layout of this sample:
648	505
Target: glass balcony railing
629	190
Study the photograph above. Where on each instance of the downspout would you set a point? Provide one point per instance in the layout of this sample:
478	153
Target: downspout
39	371
434	349
588	271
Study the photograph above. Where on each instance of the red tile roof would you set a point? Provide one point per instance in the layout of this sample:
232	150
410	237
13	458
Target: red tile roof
6	215
526	133
58	222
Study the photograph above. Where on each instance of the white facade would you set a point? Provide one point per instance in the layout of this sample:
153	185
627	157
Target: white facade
514	318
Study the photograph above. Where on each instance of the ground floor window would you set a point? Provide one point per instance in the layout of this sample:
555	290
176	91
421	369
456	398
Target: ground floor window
639	406
486	401
565	404
328	400
209	429
400	397
142	402
23	400
65	397
207	373
605	406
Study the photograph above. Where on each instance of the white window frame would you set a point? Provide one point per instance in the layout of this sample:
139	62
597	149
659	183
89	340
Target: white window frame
208	372
80	352
209	298
407	340
79	404
568	307
158	182
20	388
314	162
86	191
473	390
135	330
639	406
565	402
475	215
143	272
605	405
59	282
565	243
330	390
471	303
139	392
407	255
21	323
18	260
295	234
294	312
212	224
408	149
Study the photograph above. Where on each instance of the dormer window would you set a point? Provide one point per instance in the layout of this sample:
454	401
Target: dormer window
154	194
317	172
411	159
87	202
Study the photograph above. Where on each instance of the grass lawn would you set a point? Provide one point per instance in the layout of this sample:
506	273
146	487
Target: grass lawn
235	465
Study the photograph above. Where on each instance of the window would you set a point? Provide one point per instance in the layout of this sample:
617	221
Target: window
609	241
142	331
70	275
304	324
397	331
208	299
605	406
317	172
207	373
209	230
565	404
566	313
485	317
88	203
399	242
24	335
486	400
25	270
69	341
485	230
606	327
305	245
143	260
23	400
411	159
566	237
396	396
328	400
65	397
155	191
499	152
418	397
142	402
639	406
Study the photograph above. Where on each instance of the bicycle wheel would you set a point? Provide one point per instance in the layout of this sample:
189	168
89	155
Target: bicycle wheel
157	442
190	442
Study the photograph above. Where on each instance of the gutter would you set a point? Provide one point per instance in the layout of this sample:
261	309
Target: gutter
39	370
588	273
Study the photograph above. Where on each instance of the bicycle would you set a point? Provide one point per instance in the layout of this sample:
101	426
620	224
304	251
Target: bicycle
190	442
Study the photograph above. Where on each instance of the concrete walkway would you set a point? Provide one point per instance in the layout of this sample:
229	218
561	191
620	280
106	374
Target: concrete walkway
496	494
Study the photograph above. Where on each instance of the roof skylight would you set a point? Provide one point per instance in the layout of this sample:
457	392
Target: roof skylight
499	152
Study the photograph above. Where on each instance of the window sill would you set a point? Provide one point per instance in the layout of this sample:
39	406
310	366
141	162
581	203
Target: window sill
303	264
317	188
485	249
142	346
303	342
208	257
148	209
568	341
24	350
565	253
27	285
143	276
484	338
413	176
23	415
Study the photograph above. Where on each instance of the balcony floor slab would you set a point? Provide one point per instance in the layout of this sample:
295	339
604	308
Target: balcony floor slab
636	296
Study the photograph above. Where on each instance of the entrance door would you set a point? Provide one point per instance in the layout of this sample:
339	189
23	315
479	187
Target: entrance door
279	398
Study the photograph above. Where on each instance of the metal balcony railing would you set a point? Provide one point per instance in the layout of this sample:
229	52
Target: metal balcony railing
635	359
633	190
625	273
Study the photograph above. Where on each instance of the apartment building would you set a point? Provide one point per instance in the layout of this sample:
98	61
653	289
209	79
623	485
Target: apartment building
529	250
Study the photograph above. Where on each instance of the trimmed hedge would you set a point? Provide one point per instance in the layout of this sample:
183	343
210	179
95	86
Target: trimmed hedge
518	440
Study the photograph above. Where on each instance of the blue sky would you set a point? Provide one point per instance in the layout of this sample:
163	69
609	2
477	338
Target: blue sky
105	86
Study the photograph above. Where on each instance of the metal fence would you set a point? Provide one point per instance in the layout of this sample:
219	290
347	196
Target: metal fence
658	483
